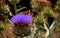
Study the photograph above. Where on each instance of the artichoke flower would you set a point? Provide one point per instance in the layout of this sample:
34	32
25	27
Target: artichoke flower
21	22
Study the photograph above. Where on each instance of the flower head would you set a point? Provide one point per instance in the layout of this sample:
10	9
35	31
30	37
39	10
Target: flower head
21	18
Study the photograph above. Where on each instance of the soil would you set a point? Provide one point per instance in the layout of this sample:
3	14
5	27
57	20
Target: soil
7	31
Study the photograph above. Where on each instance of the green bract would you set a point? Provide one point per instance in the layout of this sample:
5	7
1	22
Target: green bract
47	11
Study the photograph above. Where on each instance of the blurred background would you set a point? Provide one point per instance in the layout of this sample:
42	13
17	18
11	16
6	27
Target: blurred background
43	14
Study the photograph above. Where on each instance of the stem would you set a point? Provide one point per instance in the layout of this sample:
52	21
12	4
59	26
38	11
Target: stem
15	8
47	33
52	26
36	34
21	9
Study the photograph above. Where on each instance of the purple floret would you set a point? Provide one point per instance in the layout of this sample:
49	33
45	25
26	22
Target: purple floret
21	18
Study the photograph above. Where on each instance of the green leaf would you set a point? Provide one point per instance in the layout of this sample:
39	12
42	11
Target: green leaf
1	27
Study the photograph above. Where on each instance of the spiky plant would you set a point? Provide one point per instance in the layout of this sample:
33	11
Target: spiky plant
3	11
21	23
57	8
4	8
39	20
47	11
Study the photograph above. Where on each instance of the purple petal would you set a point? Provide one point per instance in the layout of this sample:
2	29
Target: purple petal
21	18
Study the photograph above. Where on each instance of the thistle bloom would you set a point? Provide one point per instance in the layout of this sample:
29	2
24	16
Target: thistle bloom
21	19
21	22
